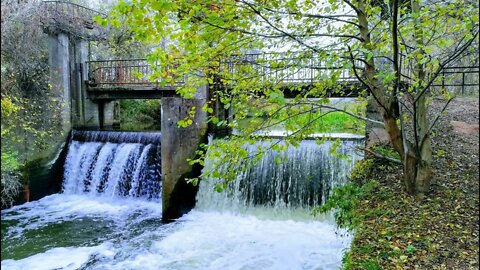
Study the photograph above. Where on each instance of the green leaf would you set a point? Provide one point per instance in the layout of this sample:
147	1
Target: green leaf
410	249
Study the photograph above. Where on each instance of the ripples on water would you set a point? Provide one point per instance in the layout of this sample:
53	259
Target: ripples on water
83	232
85	229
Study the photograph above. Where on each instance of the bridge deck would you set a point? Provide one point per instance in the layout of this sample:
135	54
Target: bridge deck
132	78
112	79
140	92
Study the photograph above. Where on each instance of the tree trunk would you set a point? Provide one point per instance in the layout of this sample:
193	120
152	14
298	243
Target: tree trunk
423	144
423	178
417	170
416	156
394	134
409	169
424	162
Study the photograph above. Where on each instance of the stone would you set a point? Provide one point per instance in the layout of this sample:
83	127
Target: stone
377	136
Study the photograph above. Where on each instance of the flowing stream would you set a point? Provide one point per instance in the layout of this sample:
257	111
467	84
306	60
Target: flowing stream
108	215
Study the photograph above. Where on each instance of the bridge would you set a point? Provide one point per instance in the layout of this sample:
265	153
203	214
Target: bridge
129	78
88	89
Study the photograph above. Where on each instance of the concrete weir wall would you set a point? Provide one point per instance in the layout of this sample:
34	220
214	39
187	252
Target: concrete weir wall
68	75
374	133
179	144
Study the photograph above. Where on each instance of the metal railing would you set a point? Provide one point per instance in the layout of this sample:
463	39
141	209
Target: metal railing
265	67
458	78
72	10
277	68
285	68
291	68
125	74
71	18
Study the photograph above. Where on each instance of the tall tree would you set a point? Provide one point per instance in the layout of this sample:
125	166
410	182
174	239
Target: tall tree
395	48
30	114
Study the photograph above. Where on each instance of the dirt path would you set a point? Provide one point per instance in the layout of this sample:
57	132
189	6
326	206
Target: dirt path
456	172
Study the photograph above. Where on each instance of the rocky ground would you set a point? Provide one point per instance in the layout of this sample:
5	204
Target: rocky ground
441	231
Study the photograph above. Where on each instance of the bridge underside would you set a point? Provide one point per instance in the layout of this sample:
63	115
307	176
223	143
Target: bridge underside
143	92
348	89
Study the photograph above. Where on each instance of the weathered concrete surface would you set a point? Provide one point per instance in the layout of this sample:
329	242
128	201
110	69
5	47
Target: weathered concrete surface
68	73
377	136
107	114
222	114
179	144
86	112
79	53
44	173
374	133
58	59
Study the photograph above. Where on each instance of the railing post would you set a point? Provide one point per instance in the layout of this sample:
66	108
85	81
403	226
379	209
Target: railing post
463	82
443	77
101	114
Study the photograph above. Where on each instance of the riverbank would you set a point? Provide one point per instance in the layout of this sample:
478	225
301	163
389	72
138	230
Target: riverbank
394	230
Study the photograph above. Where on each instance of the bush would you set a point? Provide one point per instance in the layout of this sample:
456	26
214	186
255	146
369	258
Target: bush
344	199
10	178
137	113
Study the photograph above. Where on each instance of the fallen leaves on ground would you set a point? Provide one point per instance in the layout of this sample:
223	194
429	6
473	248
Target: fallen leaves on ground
397	231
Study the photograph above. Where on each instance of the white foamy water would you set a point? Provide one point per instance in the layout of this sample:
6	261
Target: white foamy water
136	238
59	208
112	169
212	240
295	179
60	258
109	216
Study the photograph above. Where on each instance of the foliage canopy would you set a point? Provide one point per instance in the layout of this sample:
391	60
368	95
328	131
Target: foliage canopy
395	49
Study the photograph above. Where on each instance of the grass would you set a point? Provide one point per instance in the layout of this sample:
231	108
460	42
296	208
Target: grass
330	122
298	117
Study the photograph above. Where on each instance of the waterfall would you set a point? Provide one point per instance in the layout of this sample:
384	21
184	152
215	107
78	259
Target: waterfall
116	137
125	164
298	177
98	222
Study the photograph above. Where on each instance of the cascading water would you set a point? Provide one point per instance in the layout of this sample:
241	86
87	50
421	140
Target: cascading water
96	165
108	215
298	177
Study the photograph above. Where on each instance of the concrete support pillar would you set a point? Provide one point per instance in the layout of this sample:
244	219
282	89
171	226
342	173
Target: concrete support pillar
86	112
106	115
68	73
222	114
116	114
59	56
80	50
91	114
178	144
